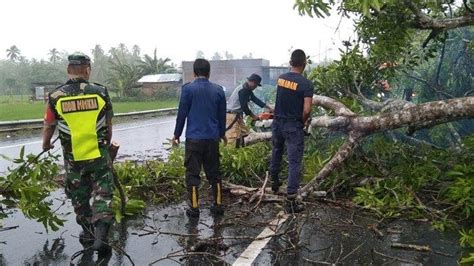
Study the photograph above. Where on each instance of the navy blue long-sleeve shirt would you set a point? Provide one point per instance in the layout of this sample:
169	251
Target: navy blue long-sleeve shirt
203	106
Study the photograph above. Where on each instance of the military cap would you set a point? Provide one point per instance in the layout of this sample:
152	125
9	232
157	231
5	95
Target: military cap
79	58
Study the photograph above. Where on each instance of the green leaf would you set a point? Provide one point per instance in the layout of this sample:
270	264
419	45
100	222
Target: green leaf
469	259
22	152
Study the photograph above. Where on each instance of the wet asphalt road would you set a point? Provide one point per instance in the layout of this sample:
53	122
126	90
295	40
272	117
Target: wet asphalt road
323	233
139	140
327	233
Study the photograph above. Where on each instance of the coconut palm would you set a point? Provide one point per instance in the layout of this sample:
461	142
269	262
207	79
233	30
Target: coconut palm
13	53
155	65
136	51
123	49
123	76
54	55
217	56
97	52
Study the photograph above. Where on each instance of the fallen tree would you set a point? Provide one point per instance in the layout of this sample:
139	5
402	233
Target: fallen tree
358	127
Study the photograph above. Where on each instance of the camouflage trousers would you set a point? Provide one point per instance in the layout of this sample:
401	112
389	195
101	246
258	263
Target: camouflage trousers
90	187
238	129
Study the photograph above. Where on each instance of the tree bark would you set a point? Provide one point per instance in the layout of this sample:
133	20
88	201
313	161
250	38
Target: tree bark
425	22
342	154
358	127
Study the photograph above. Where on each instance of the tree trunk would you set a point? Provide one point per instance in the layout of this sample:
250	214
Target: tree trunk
358	127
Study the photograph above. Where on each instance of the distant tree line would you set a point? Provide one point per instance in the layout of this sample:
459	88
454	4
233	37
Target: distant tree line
226	56
119	69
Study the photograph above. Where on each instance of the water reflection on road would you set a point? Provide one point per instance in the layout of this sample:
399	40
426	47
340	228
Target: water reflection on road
327	233
139	140
29	244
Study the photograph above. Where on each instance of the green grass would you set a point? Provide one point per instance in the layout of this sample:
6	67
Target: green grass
21	110
14	98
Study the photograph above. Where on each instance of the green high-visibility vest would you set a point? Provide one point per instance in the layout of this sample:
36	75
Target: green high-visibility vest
81	113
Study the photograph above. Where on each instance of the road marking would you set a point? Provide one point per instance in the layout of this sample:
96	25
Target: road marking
19	145
256	247
146	125
115	130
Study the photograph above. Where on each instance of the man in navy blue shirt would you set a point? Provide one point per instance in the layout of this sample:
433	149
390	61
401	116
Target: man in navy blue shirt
292	110
203	107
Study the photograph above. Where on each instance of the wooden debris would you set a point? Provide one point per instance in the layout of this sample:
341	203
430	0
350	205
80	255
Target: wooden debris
9	228
412	247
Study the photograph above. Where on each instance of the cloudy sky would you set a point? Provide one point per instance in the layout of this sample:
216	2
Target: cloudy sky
177	28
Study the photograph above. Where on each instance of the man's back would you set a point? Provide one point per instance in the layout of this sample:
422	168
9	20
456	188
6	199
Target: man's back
292	88
203	103
80	109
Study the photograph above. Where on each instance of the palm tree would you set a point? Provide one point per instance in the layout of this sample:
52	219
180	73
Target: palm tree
200	54
97	52
54	55
136	51
228	56
112	51
155	65
123	77
13	53
217	56
123	48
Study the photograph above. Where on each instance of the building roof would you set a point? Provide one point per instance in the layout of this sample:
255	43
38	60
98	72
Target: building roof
158	78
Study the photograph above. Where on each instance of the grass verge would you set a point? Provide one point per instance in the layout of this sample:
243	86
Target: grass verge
35	110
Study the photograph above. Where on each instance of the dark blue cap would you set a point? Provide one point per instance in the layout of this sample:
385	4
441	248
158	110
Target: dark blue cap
256	78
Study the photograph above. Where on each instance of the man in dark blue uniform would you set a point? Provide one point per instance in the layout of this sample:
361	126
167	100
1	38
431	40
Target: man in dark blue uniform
292	110
203	106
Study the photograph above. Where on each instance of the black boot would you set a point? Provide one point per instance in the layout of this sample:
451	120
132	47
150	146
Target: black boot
216	207
193	205
101	241
292	205
86	237
275	183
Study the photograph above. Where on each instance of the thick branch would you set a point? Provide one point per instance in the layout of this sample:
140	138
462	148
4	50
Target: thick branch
336	161
330	122
467	93
442	111
467	6
257	137
425	22
414	116
372	105
329	103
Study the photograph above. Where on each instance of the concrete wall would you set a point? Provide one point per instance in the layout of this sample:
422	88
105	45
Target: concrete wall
228	73
152	88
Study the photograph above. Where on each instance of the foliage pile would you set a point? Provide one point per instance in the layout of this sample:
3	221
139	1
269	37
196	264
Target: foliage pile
158	180
28	187
246	165
395	179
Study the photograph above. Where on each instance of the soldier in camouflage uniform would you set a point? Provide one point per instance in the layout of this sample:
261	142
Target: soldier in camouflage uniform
82	112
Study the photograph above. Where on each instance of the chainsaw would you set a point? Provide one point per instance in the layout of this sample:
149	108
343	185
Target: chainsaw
264	123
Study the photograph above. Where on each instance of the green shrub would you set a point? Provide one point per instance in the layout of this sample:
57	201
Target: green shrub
28	186
242	165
